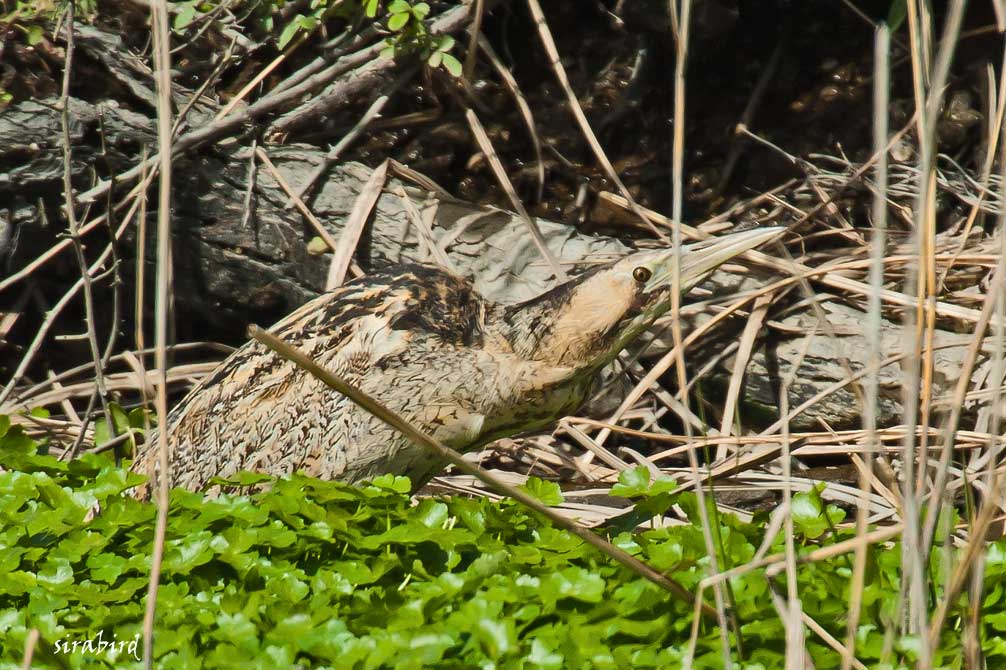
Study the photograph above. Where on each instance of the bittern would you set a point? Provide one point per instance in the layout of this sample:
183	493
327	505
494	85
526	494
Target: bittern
424	342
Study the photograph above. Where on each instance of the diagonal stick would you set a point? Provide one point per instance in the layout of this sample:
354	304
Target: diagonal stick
434	446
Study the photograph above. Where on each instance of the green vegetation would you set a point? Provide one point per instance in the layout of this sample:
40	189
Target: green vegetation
326	575
401	20
28	15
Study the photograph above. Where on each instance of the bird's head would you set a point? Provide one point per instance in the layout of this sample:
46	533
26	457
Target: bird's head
584	323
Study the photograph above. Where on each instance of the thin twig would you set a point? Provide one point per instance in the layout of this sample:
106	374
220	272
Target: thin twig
482	139
352	39
162	68
29	648
211	132
301	206
336	151
52	314
726	623
71	217
376	408
225	60
545	34
367	68
258	78
522	106
927	229
747	341
346	246
881	80
475	31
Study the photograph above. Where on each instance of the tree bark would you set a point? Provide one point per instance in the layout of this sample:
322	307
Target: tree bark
243	256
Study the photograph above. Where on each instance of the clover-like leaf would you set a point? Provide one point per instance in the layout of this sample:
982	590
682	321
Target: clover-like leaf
452	64
120	420
547	492
632	482
186	14
810	514
397	21
325	574
420	10
395	483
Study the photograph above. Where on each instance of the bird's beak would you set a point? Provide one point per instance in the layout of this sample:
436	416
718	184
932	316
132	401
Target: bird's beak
698	260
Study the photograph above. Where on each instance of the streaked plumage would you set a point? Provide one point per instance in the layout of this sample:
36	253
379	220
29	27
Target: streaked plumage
424	342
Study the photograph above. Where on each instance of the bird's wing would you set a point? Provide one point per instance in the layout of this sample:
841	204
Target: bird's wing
255	400
346	330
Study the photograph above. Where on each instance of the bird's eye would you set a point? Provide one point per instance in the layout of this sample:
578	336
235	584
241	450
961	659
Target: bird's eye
642	274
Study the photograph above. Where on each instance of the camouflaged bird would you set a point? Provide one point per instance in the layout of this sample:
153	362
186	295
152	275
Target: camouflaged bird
421	340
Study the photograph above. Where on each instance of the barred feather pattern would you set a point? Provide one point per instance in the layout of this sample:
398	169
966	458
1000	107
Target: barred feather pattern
419	339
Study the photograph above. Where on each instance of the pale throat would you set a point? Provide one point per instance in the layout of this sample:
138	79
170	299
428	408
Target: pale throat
585	323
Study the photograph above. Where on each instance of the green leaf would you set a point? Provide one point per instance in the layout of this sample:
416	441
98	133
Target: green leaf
662	484
395	483
996	554
316	246
57	574
896	14
452	65
398	7
547	492
496	637
15	444
632	483
445	43
431	513
573	582
287	587
544	657
435	59
420	10
371	9
810	515
397	21
106	567
243	478
119	418
139	419
665	555
184	554
289	32
186	15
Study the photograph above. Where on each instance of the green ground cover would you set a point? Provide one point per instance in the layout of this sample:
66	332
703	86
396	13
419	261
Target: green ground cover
320	575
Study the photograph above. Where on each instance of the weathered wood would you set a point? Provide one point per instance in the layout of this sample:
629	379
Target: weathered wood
235	266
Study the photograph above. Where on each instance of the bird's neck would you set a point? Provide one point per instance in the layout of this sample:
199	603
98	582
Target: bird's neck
533	333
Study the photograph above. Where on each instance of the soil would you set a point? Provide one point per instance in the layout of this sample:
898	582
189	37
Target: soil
816	58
